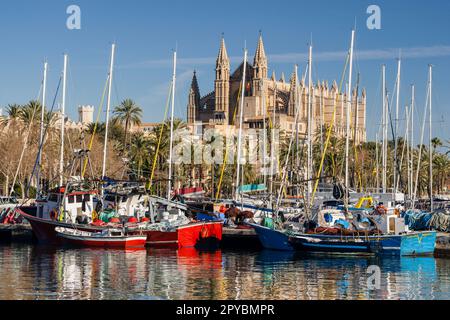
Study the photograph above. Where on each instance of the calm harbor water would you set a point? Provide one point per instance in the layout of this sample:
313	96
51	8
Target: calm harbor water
39	272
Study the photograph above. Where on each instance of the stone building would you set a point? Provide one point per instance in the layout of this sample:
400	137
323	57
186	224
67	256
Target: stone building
86	114
218	109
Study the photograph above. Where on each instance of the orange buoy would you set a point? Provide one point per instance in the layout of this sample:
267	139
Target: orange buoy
145	219
114	220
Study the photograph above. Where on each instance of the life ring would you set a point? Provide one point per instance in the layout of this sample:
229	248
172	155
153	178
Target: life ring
53	214
204	233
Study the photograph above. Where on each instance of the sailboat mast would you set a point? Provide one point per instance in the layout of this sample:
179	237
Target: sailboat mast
377	179
272	145
174	79
41	139
411	173
384	125
397	106
108	107
349	105
263	97
297	109
431	137
309	136
241	115
63	112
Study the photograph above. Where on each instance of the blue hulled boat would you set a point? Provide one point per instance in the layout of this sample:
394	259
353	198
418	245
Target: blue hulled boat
409	244
272	239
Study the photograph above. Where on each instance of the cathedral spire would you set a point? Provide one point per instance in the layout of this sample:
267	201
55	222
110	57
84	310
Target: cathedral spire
194	85
260	61
222	58
222	84
193	100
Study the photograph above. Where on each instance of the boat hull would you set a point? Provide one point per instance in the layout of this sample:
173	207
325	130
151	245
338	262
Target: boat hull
117	243
414	244
272	239
44	230
204	234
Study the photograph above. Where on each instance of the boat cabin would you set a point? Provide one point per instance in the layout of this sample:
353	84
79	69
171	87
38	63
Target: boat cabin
74	207
131	205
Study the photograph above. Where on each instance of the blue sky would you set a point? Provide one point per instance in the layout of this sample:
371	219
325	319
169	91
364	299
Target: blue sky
146	32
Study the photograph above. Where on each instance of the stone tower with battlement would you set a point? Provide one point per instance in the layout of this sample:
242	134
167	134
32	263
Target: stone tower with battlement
86	114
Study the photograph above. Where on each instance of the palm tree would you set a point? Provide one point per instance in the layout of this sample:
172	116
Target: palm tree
129	114
99	128
30	112
13	114
436	143
139	154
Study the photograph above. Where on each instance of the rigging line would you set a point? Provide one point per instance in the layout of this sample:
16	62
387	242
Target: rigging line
49	114
419	158
163	124
100	108
330	128
284	188
219	187
396	165
30	125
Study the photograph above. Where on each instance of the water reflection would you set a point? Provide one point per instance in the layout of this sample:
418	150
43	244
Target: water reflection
38	272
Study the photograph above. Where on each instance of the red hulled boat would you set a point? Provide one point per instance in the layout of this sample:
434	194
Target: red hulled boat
194	234
107	239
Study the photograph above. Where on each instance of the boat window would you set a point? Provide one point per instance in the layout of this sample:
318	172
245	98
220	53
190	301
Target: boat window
71	199
79	198
53	197
87	197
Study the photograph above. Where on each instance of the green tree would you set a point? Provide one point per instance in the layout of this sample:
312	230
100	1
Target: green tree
129	114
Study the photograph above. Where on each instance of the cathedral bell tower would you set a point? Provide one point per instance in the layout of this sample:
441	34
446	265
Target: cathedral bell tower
222	85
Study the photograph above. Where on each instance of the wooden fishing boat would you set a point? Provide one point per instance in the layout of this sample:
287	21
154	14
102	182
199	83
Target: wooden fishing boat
409	244
111	238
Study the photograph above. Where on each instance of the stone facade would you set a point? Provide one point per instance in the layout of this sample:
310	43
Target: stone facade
219	109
